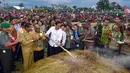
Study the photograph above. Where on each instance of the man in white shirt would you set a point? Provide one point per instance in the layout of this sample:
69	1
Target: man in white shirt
55	37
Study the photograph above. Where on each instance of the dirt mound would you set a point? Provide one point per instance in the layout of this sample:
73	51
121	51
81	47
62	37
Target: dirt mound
85	62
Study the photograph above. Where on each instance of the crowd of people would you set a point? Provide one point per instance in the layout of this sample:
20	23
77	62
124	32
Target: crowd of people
26	35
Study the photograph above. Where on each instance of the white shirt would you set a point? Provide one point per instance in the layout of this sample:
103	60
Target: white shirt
63	38
56	36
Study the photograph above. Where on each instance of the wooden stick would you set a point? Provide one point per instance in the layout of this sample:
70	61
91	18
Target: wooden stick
68	52
64	49
88	41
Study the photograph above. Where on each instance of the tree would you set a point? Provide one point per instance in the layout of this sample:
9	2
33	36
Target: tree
74	7
21	5
118	6
115	5
103	4
36	6
41	6
85	8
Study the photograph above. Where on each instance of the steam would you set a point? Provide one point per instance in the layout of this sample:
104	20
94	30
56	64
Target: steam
119	59
123	61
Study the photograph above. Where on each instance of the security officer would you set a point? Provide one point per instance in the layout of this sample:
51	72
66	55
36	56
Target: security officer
5	48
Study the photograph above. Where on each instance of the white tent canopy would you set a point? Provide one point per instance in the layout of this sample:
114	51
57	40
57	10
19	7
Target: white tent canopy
18	7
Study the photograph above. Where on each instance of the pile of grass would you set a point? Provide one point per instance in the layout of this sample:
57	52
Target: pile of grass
86	62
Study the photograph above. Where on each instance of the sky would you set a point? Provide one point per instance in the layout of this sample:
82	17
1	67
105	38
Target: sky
79	3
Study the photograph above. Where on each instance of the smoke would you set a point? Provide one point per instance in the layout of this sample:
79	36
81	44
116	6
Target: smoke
122	60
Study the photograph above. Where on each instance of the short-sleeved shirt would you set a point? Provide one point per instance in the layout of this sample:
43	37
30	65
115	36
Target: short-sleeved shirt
104	38
118	37
4	38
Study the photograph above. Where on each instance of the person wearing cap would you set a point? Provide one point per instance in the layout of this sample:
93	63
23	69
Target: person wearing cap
98	32
6	47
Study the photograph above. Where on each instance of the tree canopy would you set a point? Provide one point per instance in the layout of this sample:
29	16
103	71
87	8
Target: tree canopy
106	5
103	4
21	5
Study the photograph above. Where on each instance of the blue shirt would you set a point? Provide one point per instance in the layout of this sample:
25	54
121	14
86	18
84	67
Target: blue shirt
76	36
17	27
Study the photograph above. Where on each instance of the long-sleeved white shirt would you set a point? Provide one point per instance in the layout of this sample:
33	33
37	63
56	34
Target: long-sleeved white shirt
55	37
63	38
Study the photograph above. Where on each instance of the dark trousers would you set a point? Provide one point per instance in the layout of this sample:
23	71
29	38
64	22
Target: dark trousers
18	54
97	42
6	60
53	50
0	67
81	46
38	55
13	60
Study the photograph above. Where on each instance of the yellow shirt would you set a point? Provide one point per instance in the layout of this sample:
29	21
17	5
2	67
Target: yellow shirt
39	43
27	41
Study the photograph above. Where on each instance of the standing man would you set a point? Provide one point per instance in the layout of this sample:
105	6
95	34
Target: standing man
88	37
13	34
98	33
18	52
106	31
76	37
39	49
5	48
55	37
27	43
63	28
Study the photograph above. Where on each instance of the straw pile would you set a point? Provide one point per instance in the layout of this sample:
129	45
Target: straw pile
86	62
